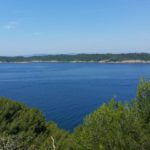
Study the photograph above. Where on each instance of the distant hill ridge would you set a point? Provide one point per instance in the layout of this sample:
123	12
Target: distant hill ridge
101	58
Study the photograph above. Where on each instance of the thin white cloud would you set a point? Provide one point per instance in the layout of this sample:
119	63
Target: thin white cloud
10	25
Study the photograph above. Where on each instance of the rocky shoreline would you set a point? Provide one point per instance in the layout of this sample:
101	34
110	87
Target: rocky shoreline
101	62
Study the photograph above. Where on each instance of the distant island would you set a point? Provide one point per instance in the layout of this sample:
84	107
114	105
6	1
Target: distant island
98	58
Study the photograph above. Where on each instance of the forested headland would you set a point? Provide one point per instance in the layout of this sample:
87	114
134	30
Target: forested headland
113	126
103	58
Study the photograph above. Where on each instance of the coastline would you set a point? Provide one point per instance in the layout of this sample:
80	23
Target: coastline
99	62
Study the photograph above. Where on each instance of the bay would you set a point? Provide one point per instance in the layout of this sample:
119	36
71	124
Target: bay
67	92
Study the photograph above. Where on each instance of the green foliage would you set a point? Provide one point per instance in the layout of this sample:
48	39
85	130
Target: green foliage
113	126
8	142
30	126
80	57
143	100
118	126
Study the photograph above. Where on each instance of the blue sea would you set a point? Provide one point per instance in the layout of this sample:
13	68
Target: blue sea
67	92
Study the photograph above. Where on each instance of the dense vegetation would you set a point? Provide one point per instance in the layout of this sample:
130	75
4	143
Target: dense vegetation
114	126
80	57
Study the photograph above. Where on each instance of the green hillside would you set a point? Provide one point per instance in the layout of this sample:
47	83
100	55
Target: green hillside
80	57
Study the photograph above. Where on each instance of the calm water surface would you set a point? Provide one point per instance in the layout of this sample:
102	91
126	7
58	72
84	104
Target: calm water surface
66	92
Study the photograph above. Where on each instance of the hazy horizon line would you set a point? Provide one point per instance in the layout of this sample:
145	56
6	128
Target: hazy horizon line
47	54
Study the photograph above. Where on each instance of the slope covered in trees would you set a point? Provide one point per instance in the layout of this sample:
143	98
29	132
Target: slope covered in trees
80	57
113	126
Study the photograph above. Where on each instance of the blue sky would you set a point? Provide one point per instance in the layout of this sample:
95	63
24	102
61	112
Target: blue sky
74	26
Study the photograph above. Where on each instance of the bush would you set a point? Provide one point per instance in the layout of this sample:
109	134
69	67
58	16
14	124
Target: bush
114	126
